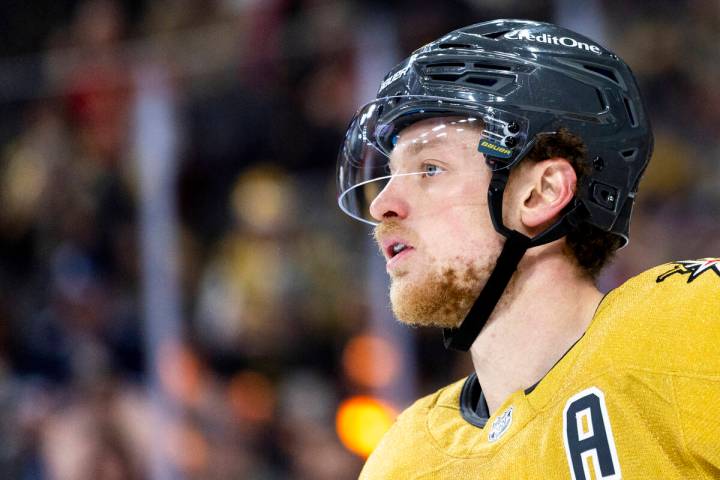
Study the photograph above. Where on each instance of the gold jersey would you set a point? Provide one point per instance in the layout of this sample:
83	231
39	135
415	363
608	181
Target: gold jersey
637	397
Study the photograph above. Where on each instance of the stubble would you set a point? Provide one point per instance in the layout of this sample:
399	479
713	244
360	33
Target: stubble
440	296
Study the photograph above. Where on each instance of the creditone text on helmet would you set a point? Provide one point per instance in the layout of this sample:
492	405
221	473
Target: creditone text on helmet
545	38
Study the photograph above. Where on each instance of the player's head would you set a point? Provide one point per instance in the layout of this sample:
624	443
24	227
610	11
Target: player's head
506	93
433	226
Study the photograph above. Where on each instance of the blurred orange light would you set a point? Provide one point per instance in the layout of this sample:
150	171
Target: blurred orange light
180	372
361	422
251	396
371	361
187	448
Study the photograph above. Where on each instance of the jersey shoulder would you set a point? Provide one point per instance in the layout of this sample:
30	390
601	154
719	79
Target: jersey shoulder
413	442
446	398
667	318
441	407
682	290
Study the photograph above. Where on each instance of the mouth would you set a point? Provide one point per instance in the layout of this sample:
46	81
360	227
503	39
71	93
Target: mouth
393	241
395	250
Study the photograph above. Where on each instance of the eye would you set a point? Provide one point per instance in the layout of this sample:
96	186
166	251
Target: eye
431	170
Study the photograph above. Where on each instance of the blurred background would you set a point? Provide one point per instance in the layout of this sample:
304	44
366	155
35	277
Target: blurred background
180	297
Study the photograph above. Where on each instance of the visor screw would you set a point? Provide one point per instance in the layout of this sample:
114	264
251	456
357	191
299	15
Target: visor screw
510	142
598	163
513	127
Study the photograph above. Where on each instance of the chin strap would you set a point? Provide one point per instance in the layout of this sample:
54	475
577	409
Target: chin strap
516	244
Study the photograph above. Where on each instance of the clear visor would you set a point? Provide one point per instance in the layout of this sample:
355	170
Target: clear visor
421	143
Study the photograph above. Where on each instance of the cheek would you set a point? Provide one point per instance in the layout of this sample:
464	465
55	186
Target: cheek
470	218
465	232
477	236
458	222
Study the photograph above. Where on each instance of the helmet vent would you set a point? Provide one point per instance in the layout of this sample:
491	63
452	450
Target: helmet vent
488	82
445	77
495	35
605	72
630	113
484	81
629	154
493	66
456	45
601	98
443	66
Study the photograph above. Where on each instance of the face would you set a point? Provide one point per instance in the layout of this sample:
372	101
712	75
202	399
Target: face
435	230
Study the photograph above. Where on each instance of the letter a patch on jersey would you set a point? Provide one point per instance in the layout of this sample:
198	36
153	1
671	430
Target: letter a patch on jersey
589	442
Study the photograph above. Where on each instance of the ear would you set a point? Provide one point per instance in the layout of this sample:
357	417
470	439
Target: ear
548	187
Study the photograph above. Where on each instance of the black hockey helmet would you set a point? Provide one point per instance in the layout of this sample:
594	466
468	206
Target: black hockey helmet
520	79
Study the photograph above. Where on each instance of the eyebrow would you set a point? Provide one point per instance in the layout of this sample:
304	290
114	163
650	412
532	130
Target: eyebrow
417	147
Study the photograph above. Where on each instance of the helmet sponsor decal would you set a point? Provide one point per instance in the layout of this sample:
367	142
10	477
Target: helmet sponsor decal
692	268
397	74
493	149
553	40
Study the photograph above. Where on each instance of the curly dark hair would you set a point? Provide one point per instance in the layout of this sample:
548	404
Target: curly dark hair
591	247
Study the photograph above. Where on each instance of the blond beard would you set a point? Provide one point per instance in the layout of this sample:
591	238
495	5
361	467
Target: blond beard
441	299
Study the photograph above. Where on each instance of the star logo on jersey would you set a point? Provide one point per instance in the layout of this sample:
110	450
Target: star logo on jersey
692	268
500	425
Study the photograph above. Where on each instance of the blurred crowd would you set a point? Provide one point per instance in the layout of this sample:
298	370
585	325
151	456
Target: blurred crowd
274	298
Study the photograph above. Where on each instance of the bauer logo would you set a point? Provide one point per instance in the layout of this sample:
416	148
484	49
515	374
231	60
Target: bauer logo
494	149
553	40
397	74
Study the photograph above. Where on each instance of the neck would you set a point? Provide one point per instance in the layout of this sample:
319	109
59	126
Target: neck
533	325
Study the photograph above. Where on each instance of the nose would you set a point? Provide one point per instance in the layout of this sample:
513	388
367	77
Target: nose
389	203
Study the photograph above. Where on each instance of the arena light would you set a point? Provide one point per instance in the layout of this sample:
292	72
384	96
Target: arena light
371	361
251	397
361	422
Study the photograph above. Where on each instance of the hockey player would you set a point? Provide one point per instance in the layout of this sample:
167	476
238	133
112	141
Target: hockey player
499	165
